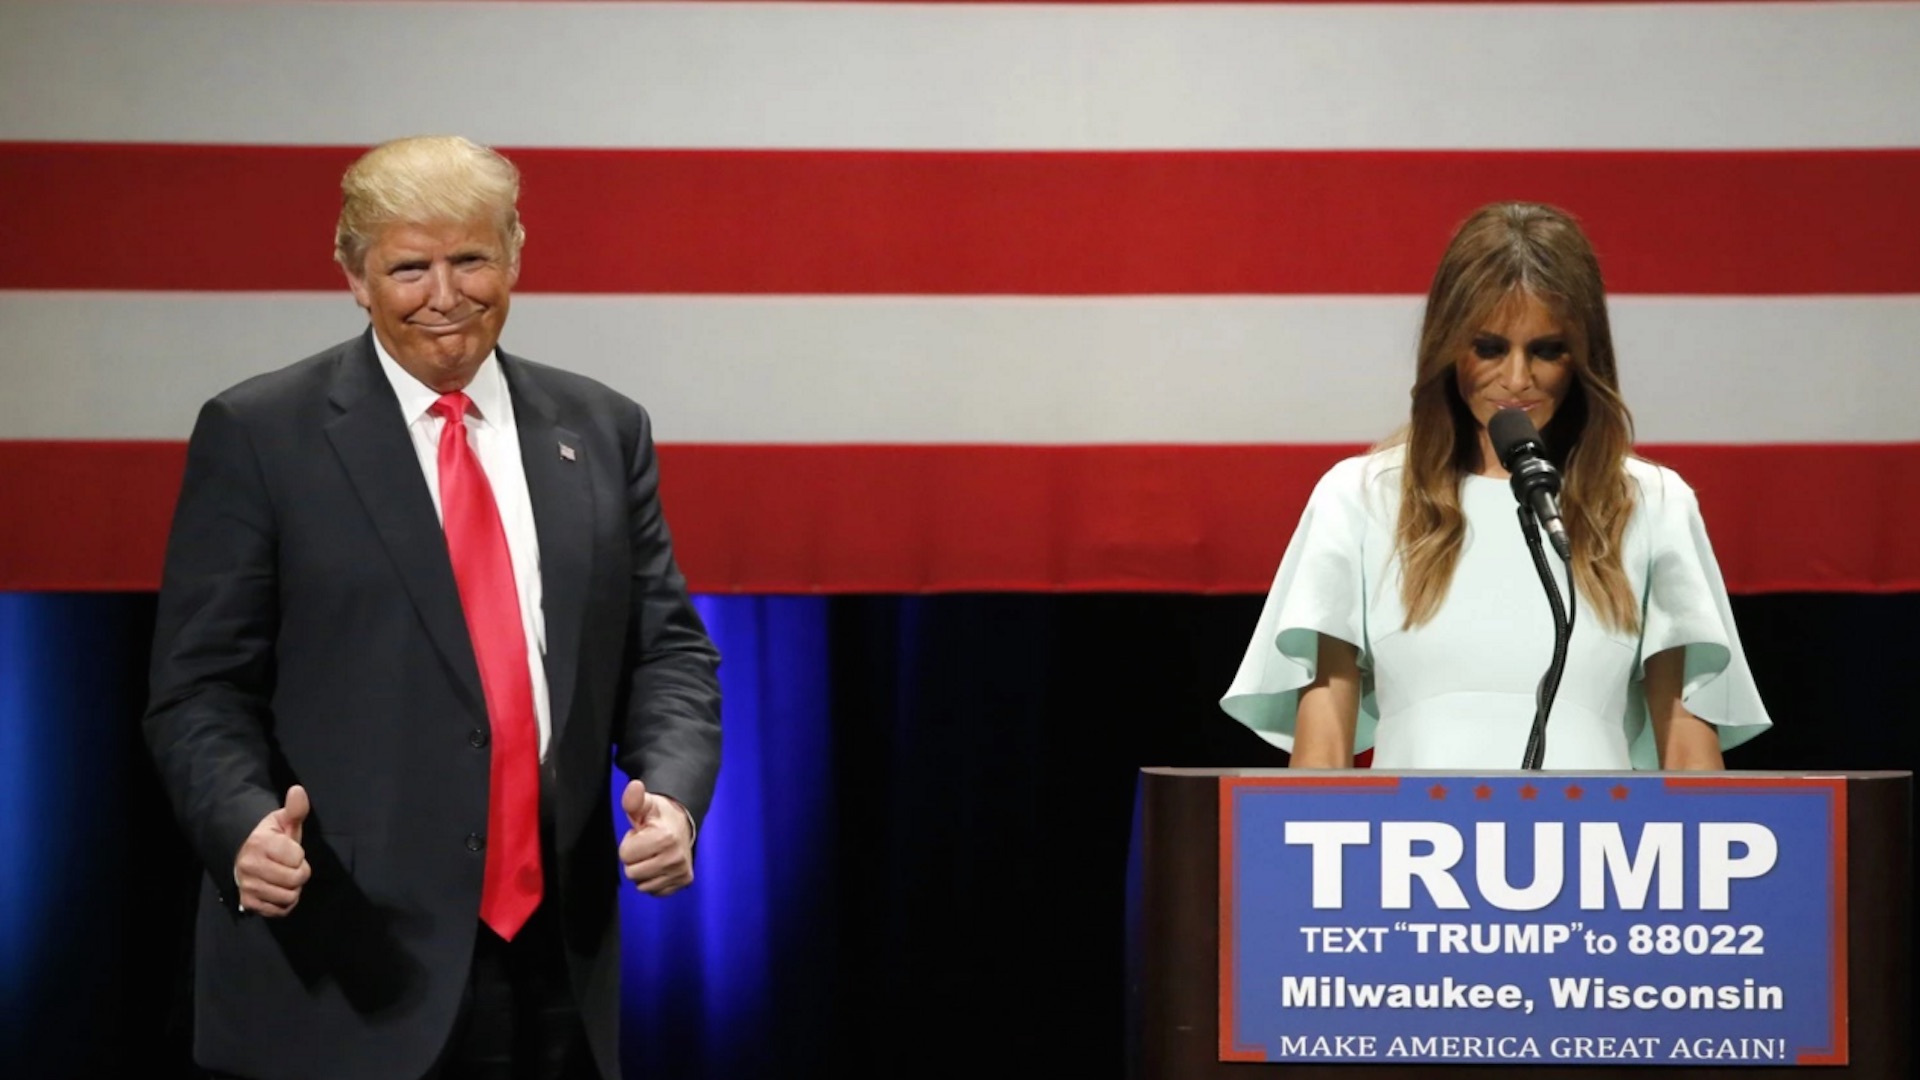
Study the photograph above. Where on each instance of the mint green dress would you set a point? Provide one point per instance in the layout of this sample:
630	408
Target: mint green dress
1458	691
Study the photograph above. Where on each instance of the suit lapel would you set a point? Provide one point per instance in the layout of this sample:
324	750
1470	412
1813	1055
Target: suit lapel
370	437
558	481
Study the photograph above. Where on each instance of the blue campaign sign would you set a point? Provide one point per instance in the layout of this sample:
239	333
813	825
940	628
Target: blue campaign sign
1540	918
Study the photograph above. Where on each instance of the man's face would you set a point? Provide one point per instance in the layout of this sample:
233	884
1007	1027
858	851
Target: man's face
437	295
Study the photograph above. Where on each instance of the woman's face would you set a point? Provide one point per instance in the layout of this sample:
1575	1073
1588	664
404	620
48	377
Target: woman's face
1520	357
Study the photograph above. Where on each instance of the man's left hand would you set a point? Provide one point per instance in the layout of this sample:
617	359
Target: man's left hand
657	851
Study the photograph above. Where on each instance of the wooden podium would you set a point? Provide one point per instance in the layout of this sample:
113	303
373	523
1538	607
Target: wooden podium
1175	990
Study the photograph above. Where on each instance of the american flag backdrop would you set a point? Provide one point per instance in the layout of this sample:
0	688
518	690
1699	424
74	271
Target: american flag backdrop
953	296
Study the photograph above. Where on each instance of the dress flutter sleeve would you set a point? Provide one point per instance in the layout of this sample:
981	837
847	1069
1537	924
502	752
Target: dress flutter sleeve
1685	607
1319	589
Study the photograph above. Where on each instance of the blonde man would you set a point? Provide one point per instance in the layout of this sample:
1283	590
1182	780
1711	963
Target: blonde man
418	594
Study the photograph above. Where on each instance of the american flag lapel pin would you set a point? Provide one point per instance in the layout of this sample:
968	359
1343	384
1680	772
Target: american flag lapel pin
566	452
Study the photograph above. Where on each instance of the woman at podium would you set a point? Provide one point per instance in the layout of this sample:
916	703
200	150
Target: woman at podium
1408	617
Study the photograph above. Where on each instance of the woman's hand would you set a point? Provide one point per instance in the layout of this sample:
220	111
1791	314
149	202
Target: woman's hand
1686	742
1329	709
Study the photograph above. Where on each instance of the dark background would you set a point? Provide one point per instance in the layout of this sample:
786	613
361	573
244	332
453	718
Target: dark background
965	914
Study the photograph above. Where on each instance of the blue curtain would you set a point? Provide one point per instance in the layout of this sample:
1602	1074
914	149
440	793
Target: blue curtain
24	891
72	836
710	963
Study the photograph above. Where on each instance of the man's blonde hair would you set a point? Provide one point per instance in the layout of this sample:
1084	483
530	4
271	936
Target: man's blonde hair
427	179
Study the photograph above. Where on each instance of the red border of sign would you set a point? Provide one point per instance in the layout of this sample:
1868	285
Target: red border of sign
1834	787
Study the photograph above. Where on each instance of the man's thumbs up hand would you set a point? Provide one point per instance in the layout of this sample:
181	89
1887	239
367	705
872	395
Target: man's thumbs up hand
657	852
272	864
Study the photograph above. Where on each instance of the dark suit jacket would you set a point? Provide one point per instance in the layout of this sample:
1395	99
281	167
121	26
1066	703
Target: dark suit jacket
310	632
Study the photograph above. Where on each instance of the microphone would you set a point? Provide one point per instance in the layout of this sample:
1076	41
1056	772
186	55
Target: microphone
1536	483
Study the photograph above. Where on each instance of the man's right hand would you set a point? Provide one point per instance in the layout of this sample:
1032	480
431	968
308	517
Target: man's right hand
272	866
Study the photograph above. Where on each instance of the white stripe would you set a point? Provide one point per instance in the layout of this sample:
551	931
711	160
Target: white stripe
1009	370
956	76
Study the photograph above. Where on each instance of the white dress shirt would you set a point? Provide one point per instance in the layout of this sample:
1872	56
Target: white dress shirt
495	440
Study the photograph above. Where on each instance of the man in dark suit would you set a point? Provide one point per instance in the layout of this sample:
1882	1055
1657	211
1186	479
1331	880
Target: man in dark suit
418	596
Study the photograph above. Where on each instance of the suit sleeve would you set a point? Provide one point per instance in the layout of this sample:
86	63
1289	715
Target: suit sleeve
208	718
670	737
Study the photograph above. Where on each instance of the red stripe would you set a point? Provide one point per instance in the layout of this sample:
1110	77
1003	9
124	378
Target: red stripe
901	519
1176	3
215	218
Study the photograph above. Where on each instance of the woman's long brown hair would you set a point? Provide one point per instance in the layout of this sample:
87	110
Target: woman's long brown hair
1502	250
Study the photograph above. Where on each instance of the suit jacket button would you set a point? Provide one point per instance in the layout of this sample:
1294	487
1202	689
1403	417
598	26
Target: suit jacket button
475	841
477	738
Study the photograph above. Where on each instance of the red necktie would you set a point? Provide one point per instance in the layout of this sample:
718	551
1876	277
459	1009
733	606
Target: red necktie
483	570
